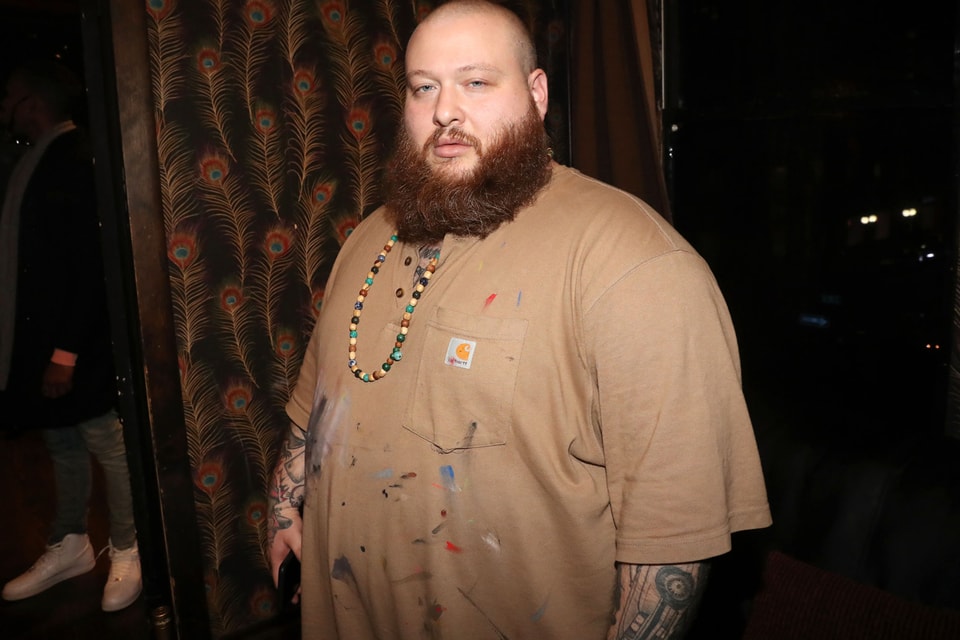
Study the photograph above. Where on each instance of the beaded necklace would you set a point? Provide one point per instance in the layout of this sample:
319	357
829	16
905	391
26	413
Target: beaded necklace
397	353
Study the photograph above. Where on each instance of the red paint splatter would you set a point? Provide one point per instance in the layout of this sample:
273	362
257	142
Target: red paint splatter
443	512
490	299
454	548
436	610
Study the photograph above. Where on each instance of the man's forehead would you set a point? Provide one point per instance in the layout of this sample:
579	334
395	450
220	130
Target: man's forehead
475	67
434	50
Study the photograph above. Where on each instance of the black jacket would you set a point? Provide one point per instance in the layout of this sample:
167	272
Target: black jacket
61	294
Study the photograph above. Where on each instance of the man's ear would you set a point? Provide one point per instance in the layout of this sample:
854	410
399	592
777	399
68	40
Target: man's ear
537	81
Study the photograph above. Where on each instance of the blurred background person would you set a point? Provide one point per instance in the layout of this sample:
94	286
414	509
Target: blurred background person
56	370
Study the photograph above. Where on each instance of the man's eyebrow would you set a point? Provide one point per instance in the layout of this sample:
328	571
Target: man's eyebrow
464	69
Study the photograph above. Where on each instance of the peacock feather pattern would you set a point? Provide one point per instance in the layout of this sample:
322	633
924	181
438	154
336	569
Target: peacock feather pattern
271	278
201	409
270	117
251	428
363	157
386	59
349	54
165	29
286	363
304	102
213	105
176	176
217	509
313	222
228	204
303	109
238	325
266	156
254	526
188	287
251	49
421	8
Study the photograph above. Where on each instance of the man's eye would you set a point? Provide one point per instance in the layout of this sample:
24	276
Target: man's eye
423	88
477	84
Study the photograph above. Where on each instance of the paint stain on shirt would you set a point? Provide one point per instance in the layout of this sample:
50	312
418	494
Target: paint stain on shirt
436	610
343	572
447	478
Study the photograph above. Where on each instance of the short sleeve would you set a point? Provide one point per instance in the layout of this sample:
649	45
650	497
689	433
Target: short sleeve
683	470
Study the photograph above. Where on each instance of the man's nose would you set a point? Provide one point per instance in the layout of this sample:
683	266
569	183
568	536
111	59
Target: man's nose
447	110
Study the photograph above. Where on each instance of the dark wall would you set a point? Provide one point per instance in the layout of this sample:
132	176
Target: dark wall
793	122
786	124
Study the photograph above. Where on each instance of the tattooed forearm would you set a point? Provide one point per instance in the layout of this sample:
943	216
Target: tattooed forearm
286	490
656	601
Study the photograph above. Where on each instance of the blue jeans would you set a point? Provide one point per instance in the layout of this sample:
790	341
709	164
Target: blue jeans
70	449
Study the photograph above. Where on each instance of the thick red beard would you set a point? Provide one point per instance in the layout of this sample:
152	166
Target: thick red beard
426	205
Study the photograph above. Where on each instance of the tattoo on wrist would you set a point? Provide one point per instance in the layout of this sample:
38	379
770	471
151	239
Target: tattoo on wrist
286	491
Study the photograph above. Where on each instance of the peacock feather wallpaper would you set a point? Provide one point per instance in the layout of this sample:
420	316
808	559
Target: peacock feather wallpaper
273	120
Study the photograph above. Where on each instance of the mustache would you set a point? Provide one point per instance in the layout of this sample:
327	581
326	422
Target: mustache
455	134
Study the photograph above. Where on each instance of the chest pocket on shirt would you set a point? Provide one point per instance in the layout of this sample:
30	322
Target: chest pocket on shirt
455	406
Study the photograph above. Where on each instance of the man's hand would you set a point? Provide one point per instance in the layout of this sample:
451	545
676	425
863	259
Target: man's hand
285	499
283	540
657	601
57	380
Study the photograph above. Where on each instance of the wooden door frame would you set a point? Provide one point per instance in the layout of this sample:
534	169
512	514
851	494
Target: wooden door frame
117	70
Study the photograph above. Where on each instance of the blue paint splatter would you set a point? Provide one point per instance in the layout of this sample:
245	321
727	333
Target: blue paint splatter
539	612
447	477
384	473
519	296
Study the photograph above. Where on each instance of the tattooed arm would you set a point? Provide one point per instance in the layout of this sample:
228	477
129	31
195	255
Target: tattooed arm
656	601
285	528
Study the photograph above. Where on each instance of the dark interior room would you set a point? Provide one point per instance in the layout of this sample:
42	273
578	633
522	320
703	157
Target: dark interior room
809	153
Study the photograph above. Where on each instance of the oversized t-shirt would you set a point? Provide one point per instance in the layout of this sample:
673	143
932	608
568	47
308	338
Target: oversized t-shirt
568	397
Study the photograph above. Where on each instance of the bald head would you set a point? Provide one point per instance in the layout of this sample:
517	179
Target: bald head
512	27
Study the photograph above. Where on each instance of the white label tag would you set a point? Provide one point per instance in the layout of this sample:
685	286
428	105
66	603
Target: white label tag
460	353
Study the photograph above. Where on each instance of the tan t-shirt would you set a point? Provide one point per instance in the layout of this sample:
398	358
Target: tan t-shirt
568	396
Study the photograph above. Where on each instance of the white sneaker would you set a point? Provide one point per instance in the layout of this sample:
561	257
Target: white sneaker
124	583
70	557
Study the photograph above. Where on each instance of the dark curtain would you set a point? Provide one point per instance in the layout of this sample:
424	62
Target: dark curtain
613	106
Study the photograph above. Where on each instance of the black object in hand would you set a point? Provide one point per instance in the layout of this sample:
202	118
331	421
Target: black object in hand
288	580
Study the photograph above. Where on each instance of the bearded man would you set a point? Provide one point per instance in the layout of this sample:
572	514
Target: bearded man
520	413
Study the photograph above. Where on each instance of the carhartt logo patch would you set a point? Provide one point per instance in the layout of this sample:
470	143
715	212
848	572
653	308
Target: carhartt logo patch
460	353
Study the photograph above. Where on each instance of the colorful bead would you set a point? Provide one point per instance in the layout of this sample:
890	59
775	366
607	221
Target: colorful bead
396	354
